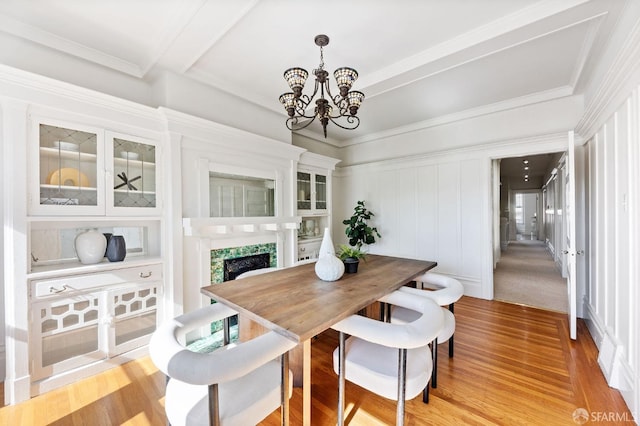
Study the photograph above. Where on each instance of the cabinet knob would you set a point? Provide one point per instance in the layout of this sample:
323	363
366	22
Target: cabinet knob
145	275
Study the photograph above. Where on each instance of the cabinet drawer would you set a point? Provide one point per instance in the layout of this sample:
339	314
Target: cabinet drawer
85	282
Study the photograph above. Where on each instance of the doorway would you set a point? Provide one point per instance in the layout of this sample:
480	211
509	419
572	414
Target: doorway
527	272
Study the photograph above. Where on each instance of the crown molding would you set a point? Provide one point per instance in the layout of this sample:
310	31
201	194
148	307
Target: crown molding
538	144
13	78
616	85
534	98
45	38
210	132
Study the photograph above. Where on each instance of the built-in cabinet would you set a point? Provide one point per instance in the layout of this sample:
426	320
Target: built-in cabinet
84	176
80	319
313	179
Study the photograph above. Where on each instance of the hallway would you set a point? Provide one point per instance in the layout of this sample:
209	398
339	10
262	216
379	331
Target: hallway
527	275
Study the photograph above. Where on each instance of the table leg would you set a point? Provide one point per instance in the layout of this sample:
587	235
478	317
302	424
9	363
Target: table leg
306	383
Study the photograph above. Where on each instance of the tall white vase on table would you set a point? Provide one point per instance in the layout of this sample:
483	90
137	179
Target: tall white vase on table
328	266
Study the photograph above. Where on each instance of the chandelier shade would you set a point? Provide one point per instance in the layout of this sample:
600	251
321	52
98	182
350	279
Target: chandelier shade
343	109
296	77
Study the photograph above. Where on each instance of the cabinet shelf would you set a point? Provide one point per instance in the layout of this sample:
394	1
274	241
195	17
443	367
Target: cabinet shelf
67	155
67	187
117	161
134	191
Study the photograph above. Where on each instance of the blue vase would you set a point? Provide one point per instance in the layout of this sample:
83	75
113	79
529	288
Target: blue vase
116	248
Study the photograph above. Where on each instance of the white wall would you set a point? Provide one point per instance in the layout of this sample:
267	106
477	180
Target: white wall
434	206
613	248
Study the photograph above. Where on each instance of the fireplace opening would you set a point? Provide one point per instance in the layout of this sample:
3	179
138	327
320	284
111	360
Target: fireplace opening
236	266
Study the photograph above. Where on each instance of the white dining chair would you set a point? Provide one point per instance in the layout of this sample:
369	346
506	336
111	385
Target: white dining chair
391	360
443	290
237	384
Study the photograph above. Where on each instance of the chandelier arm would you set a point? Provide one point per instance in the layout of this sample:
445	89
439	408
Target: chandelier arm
292	123
353	120
342	107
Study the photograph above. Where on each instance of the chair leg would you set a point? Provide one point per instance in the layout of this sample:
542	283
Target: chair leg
402	385
434	354
451	339
284	390
226	326
341	379
425	394
214	412
451	346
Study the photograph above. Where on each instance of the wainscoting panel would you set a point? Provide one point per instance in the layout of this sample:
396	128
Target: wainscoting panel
427	209
614	247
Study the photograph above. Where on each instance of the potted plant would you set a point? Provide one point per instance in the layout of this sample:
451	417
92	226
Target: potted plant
351	257
358	232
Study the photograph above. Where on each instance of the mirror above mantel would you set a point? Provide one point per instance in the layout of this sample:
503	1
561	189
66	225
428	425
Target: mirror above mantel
241	196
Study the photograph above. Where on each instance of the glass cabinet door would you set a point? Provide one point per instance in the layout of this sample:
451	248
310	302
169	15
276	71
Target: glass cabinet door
134	165
133	312
133	178
65	334
69	169
321	192
304	191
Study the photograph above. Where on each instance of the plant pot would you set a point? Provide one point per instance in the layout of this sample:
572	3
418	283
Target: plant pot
351	265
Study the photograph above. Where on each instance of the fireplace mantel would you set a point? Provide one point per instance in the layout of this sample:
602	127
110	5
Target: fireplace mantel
230	226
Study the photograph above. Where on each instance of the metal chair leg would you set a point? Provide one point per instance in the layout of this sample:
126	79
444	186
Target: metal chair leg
226	326
451	339
214	411
341	379
434	354
402	385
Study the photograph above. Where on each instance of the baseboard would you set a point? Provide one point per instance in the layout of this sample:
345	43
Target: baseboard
3	362
472	286
611	360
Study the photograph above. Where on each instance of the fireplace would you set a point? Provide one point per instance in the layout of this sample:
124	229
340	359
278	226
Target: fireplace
241	257
236	266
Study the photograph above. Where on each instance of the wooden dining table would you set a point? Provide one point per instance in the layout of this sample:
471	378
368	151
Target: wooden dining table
294	302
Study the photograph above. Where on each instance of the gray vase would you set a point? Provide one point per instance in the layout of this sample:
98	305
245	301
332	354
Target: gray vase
116	248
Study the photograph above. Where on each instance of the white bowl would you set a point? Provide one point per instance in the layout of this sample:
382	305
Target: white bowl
129	155
66	146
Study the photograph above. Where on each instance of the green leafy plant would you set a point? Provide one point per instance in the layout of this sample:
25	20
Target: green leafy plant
358	231
347	252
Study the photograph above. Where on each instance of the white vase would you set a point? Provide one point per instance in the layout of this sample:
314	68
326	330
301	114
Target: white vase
90	246
328	267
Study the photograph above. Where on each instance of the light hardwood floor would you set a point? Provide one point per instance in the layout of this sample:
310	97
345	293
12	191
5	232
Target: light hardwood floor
513	365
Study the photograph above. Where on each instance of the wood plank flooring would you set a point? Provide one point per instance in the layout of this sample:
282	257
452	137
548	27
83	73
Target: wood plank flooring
513	365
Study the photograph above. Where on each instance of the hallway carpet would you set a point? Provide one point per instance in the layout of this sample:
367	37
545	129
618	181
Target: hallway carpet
527	275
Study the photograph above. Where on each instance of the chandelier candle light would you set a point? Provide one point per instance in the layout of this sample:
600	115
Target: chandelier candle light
345	104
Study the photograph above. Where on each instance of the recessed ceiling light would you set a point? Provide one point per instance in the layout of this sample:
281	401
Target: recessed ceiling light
525	161
526	167
526	176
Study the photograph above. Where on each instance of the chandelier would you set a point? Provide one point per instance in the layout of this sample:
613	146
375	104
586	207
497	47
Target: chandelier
344	106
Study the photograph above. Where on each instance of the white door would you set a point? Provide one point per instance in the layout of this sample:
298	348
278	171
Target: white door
570	234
